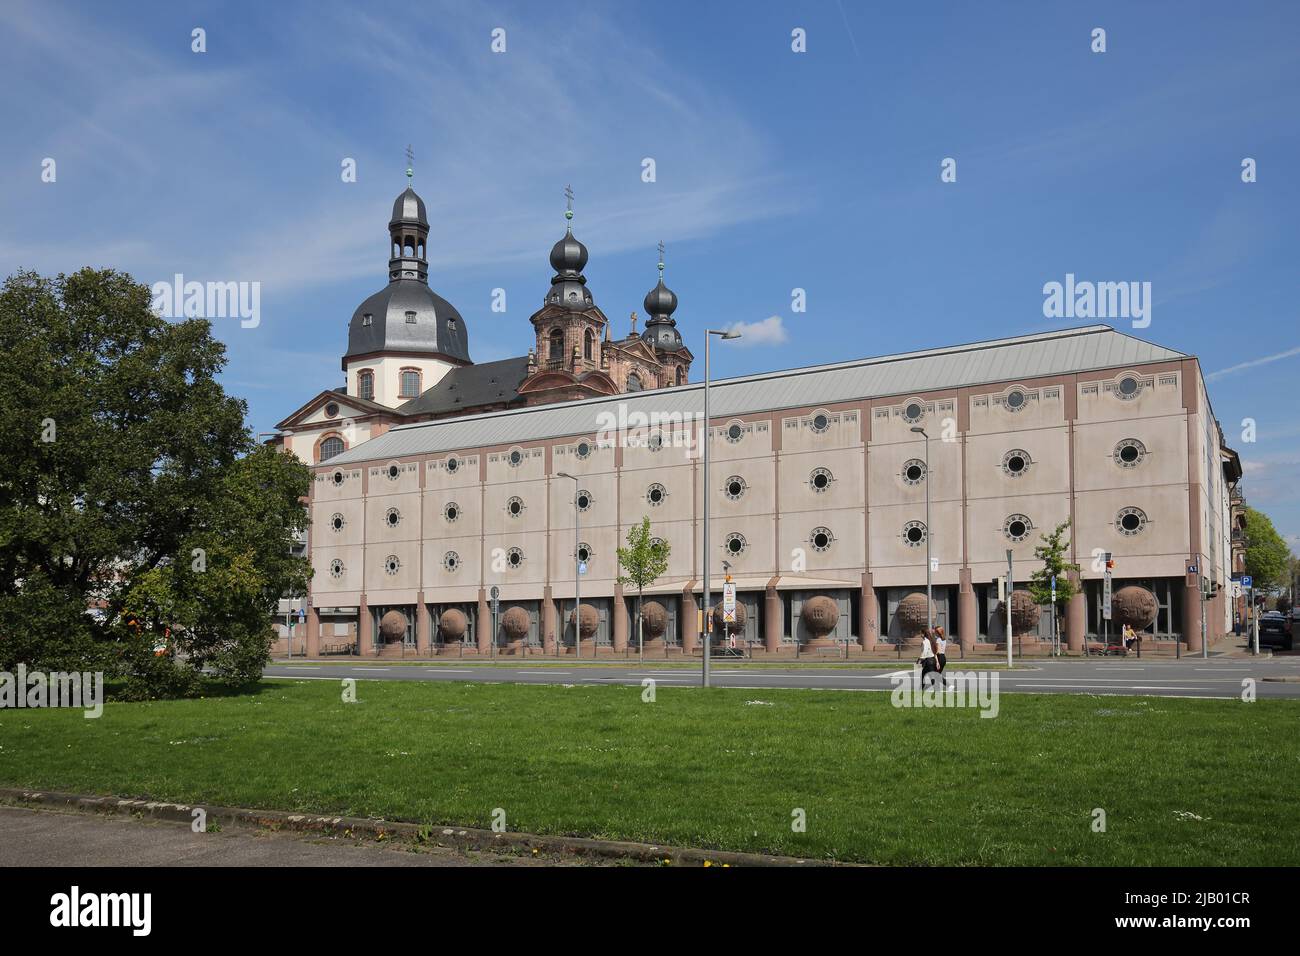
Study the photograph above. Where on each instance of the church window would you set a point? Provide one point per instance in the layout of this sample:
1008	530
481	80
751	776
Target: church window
556	352
330	447
588	346
366	385
634	382
410	383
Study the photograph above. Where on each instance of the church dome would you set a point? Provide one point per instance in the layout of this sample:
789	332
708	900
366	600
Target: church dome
660	300
409	207
408	316
568	255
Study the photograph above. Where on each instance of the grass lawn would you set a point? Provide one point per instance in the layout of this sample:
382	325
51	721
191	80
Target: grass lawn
1189	782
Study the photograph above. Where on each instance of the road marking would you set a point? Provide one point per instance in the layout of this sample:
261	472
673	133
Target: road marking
544	672
624	680
382	670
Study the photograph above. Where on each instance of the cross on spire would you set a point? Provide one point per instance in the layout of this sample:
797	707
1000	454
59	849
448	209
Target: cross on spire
568	202
661	259
410	163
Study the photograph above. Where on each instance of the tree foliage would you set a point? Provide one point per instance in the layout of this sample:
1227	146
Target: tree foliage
125	461
1267	554
644	561
1052	551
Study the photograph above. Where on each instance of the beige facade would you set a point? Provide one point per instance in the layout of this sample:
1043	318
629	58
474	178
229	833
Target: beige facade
819	499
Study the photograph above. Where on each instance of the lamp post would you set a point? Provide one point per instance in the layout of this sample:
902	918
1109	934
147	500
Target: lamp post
706	622
929	603
577	573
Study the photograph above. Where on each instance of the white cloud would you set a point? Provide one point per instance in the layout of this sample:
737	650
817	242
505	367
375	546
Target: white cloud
1242	366
770	331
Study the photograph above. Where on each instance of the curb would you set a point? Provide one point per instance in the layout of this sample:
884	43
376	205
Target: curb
461	838
1287	679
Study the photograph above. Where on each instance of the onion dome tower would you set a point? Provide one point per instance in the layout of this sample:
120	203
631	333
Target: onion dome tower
568	259
660	302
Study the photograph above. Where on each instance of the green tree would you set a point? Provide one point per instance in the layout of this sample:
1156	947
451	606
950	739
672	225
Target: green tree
643	561
123	455
1052	551
1267	555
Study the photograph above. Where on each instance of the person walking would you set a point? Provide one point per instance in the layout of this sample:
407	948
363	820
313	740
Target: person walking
927	660
941	654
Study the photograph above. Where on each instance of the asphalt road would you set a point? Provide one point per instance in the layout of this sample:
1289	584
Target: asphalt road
38	837
1215	677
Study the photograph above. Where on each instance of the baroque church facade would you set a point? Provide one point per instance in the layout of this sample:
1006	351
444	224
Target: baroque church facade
408	357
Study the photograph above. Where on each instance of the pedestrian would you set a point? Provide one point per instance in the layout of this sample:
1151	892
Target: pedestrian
927	660
941	654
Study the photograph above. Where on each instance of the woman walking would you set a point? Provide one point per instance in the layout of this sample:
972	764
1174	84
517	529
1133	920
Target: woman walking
941	654
928	660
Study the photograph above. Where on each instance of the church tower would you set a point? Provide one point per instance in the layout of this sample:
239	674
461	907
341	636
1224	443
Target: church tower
661	332
404	339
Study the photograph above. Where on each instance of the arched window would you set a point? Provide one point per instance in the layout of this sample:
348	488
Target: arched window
588	345
634	382
410	383
681	375
366	384
556	353
330	447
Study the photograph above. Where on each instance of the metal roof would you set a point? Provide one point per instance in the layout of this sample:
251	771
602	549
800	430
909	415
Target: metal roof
999	360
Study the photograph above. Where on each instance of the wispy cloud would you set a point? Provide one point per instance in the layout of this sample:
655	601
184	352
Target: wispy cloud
769	331
1253	363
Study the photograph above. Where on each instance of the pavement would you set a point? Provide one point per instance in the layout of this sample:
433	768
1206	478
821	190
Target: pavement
1219	676
44	837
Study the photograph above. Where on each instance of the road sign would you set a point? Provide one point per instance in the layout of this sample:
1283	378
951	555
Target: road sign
1247	581
496	598
582	567
1193	569
1002	589
729	603
1236	589
934	565
1105	597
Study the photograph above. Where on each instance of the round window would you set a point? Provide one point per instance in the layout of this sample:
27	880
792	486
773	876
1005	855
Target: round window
584	500
452	464
451	560
584	553
735	487
914	534
821	539
1015	462
820	479
913	412
391	564
393	517
655	442
656	494
1015	400
337	522
393	472
1129	453
820	422
514	557
515	507
583	450
734	543
1130	521
735	432
913	471
337	477
336	568
331	410
516	457
452	511
1129	387
1017	527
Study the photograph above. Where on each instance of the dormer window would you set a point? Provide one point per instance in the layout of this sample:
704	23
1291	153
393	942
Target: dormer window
367	319
410	318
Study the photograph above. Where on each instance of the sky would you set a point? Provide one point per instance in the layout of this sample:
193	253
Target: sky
774	171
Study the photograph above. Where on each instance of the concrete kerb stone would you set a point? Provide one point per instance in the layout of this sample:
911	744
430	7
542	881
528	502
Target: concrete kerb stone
462	838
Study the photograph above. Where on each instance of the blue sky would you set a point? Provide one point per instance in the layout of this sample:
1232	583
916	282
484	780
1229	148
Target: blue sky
775	171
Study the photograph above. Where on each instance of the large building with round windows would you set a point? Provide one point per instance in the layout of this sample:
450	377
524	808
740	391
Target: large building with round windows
458	479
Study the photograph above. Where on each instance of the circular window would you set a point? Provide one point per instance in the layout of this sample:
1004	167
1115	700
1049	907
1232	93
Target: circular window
337	477
393	472
336	569
451	560
514	557
735	432
1015	400
914	534
391	564
1130	521
1017	527
821	422
331	410
913	411
1128	387
516	457
734	543
584	552
393	517
583	450
584	500
913	471
656	494
515	507
452	464
1129	453
821	539
820	479
1016	462
337	522
451	511
735	487
655	442
658	542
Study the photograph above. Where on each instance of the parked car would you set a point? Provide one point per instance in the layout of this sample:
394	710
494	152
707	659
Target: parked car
1275	629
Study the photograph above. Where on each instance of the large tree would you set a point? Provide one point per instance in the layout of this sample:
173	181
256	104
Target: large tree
130	478
1267	555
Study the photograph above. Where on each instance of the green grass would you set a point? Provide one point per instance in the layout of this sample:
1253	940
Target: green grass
717	663
710	769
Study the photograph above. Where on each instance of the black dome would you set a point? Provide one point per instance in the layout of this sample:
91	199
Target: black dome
409	207
660	300
568	255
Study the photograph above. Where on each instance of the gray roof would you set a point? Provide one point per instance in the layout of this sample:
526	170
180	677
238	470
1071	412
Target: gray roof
468	386
999	360
438	327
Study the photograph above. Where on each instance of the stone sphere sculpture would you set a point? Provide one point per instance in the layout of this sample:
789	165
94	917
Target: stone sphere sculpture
720	628
392	626
911	615
590	621
514	623
1135	606
654	620
452	624
1024	612
820	615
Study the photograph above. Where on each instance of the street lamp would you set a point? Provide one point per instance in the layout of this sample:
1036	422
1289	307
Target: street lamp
577	573
929	605
706	621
